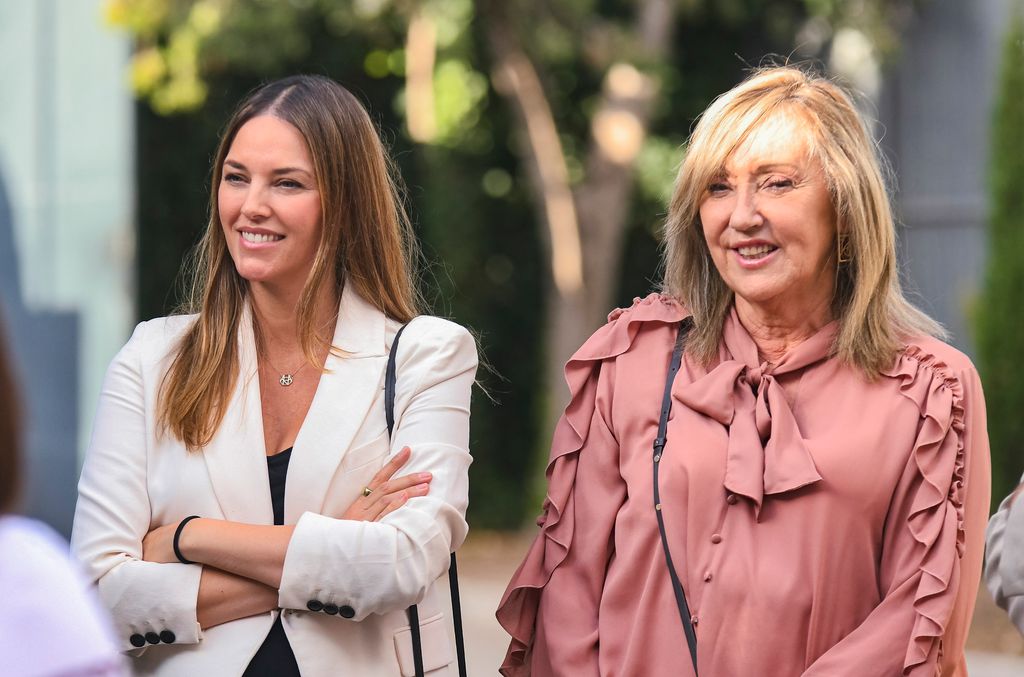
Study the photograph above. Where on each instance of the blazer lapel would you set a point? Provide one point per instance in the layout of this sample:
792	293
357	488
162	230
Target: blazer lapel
344	396
236	456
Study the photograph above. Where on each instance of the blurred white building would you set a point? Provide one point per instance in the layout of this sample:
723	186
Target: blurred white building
66	232
936	108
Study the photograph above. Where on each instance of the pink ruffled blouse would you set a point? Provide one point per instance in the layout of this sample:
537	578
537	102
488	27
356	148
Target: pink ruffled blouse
822	524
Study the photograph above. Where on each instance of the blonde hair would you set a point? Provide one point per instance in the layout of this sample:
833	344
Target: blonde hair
874	316
366	241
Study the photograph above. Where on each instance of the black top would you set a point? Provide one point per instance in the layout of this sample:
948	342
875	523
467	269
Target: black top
275	656
277	468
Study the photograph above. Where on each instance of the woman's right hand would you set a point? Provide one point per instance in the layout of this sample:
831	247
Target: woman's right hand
388	493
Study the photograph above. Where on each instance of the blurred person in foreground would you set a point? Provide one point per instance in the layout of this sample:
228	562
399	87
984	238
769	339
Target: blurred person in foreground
825	481
239	504
1004	556
51	624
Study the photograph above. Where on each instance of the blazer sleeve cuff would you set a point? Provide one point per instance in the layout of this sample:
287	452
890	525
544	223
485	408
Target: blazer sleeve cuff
152	604
352	569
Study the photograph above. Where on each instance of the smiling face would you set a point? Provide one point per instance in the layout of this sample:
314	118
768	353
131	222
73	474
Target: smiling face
269	205
769	223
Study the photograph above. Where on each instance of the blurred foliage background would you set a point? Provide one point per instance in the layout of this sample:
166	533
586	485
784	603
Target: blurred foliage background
1000	324
538	139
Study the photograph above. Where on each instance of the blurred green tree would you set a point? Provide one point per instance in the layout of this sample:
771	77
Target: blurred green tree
1000	324
539	141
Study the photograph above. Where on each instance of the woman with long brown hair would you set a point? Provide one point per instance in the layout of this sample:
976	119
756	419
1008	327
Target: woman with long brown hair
239	504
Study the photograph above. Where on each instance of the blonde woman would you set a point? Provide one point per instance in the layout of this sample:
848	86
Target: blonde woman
239	505
814	473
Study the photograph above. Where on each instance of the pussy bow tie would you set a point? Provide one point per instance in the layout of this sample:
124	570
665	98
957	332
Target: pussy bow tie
766	454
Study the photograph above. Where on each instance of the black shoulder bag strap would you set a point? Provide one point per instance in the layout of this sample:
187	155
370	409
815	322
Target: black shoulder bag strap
390	377
659	448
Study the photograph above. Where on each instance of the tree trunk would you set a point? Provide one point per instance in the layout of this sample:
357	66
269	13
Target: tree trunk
582	229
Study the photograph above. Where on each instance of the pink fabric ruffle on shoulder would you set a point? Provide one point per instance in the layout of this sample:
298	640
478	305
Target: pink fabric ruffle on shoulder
518	610
821	523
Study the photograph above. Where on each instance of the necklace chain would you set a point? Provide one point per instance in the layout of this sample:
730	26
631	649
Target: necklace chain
286	377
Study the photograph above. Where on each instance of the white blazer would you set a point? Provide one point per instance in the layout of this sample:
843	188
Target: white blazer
135	480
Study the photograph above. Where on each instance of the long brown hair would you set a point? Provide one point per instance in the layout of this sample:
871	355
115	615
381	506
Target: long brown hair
10	433
874	316
366	241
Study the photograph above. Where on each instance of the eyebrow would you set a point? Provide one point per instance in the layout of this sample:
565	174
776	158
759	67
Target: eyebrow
760	169
277	172
775	166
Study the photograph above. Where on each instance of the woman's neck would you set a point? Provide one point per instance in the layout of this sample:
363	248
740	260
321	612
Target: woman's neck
275	313
776	333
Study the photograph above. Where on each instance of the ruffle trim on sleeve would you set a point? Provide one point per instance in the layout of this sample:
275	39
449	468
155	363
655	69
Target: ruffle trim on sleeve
937	513
517	612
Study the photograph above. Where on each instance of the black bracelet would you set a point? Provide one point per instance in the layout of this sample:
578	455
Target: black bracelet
177	535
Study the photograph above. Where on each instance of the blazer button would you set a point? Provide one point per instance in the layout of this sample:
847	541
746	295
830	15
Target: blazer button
346	612
315	605
731	499
167	637
330	609
152	638
137	640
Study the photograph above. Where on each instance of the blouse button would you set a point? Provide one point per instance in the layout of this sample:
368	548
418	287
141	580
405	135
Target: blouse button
693	619
716	538
707	576
731	499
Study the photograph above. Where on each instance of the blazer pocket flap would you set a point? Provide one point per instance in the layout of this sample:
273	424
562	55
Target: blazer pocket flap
437	646
374	450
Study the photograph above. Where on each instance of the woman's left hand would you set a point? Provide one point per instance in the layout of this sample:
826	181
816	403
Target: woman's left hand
386	493
158	544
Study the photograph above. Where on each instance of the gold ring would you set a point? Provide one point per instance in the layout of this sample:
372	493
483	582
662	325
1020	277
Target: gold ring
367	491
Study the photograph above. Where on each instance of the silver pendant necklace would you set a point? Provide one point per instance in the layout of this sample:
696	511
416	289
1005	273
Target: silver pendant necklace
287	377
